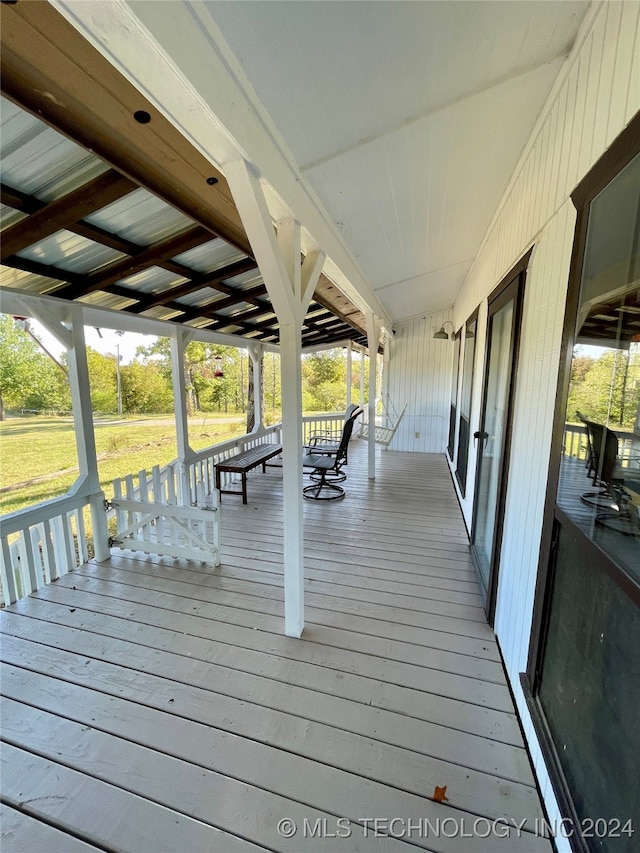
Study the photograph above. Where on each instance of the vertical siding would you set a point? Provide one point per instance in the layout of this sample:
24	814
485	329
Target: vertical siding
419	375
598	94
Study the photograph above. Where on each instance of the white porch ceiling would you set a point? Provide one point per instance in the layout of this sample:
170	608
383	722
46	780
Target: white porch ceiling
406	118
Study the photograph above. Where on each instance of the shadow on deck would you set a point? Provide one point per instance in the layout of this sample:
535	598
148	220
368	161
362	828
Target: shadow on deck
154	705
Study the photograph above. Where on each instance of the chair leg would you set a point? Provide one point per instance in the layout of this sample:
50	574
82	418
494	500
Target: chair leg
322	489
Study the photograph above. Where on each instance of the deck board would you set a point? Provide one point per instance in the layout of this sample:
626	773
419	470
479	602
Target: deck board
166	689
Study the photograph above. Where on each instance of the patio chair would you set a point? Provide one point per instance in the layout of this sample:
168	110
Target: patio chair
326	442
326	469
615	505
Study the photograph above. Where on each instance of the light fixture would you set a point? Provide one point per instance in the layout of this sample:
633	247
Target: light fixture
441	335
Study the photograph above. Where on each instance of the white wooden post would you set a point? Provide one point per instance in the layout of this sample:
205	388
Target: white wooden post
72	339
373	338
179	340
349	367
290	286
256	351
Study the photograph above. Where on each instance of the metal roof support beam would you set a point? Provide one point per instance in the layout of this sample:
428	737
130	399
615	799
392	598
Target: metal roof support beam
291	286
373	337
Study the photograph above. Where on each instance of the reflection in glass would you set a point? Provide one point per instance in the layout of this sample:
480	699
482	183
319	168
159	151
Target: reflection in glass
498	378
599	486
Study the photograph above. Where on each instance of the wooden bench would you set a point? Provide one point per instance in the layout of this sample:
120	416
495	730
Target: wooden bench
244	462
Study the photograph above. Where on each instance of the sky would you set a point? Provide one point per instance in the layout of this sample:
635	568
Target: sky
105	342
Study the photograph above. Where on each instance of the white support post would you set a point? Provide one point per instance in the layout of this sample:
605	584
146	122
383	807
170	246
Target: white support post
85	438
290	286
373	338
179	341
256	352
349	368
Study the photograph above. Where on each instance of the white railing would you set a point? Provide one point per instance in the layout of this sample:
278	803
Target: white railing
41	544
198	478
322	424
575	443
44	542
190	533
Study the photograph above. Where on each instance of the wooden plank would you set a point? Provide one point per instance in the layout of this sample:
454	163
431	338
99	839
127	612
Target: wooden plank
371	759
245	609
204	795
352	581
295	702
22	833
298	778
328	595
48	791
425	702
97	193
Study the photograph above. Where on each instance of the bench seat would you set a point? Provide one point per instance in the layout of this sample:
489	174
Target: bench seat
244	462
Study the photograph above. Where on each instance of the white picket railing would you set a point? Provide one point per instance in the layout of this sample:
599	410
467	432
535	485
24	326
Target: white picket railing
41	544
319	425
44	542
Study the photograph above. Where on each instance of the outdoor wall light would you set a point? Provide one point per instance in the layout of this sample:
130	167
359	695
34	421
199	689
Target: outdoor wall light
441	335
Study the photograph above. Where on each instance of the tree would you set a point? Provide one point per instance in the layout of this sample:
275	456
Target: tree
145	389
28	378
102	381
609	390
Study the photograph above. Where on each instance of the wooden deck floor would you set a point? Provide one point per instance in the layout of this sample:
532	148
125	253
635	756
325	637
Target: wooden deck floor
151	705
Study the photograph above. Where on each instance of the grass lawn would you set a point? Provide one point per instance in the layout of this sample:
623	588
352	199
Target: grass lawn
35	447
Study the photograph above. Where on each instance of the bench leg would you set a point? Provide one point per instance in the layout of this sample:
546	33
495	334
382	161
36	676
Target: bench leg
218	483
244	487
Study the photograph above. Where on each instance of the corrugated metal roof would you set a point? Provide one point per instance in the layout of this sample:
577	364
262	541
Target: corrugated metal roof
210	256
70	252
141	218
152	280
39	161
9	216
39	166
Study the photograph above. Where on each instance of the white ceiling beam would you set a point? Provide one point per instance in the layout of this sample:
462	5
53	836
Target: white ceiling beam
18	302
158	47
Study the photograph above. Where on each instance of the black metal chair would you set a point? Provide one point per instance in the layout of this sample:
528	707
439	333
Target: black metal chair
614	508
326	469
326	443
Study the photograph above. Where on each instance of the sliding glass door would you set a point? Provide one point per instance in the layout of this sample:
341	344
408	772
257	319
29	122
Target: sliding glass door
584	672
493	437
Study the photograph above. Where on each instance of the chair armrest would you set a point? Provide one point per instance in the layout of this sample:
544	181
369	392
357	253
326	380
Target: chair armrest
325	435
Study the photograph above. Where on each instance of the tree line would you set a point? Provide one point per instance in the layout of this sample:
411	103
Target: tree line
217	378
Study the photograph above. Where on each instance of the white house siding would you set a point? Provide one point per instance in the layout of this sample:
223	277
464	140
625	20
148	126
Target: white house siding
420	375
595	97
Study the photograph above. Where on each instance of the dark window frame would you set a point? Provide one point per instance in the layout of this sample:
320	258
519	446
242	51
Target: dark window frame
455	393
464	481
610	164
500	296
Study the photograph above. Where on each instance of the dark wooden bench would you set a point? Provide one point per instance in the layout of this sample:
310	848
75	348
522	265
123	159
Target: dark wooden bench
244	462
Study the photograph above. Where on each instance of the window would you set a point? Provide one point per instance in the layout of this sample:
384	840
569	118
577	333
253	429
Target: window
471	331
584	670
454	395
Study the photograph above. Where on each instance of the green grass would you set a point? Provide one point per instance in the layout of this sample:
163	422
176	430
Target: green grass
39	446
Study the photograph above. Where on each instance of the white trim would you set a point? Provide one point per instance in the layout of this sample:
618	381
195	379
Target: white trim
20	302
240	126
